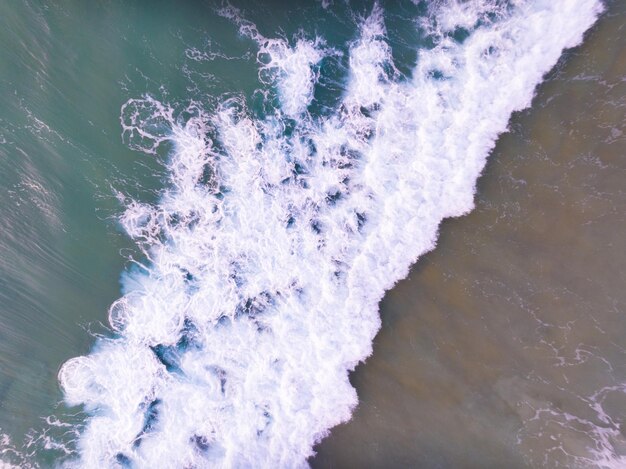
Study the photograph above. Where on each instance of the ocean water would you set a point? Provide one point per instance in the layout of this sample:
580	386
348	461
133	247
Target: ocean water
252	178
505	345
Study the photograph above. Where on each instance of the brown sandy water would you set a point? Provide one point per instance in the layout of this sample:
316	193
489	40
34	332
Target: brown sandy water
506	346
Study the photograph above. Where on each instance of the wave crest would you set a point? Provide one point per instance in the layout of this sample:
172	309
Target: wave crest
277	236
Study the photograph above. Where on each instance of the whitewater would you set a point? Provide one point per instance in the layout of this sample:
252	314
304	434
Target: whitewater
278	232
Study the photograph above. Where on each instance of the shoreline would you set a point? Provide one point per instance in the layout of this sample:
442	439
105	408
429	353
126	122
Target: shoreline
471	338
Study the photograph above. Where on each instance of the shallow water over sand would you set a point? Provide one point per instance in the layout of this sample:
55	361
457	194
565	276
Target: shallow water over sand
506	342
506	346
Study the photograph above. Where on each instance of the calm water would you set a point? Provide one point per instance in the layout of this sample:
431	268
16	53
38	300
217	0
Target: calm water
503	348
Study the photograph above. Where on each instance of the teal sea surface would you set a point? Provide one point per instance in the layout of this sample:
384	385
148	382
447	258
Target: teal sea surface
503	347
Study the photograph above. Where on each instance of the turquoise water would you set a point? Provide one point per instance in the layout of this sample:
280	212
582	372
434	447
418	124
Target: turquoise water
66	70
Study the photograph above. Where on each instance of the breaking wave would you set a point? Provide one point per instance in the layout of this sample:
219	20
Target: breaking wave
277	235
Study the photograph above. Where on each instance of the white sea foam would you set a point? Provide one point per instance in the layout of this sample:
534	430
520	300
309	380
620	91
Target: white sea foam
269	251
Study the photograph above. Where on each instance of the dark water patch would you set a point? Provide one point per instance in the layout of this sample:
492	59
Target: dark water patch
123	460
252	307
188	336
333	197
221	374
201	442
361	220
331	84
168	355
151	417
316	226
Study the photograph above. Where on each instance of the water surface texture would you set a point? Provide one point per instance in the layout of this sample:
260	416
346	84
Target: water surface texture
505	347
260	180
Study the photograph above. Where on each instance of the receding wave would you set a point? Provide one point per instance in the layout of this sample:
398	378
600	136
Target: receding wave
266	256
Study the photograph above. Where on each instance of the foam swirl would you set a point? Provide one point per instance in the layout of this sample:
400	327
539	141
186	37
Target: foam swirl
276	237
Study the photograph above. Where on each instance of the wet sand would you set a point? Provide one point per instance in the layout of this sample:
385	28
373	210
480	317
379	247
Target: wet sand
506	346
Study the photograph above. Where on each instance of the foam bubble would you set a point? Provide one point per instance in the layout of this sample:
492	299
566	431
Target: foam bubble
269	251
